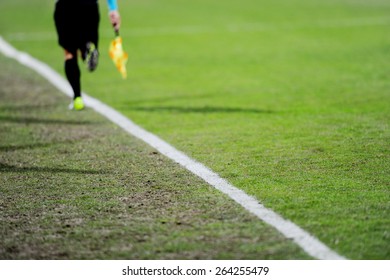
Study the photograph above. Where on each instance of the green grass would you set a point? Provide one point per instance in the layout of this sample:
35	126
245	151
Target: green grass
74	186
288	100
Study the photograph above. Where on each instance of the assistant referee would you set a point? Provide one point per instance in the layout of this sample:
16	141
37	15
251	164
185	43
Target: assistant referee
77	25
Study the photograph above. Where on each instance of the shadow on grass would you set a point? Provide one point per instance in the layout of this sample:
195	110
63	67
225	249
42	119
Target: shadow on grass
13	147
175	97
201	110
32	120
27	107
24	169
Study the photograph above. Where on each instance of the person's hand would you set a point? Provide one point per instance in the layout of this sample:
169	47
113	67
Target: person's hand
115	19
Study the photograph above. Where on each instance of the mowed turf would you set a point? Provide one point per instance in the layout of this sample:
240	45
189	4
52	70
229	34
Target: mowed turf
75	186
289	99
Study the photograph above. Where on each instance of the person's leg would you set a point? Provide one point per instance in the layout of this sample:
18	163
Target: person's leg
72	72
73	75
90	35
66	22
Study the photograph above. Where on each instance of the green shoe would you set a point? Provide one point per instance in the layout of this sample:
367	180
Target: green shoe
91	57
77	104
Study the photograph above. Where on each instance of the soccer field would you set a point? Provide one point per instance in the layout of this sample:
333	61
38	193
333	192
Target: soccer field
288	100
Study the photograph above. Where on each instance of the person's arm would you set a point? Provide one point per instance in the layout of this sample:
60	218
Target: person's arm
114	14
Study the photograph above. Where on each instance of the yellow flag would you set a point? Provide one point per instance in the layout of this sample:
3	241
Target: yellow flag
118	55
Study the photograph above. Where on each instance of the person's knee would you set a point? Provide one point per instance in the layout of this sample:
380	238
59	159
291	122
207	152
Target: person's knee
69	55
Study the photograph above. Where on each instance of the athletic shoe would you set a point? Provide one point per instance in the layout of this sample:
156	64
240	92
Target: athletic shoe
91	56
77	104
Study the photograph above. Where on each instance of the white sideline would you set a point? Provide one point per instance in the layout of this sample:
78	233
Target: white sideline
305	240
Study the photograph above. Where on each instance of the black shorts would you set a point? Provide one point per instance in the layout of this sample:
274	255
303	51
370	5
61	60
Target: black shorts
76	24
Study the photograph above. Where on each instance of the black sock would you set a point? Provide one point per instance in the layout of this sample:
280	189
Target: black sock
73	74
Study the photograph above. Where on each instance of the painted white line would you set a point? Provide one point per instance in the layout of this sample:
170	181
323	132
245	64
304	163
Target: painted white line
305	240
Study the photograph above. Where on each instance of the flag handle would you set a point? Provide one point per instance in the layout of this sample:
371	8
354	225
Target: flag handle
116	30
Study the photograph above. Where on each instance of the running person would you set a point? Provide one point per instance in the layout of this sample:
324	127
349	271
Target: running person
77	24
